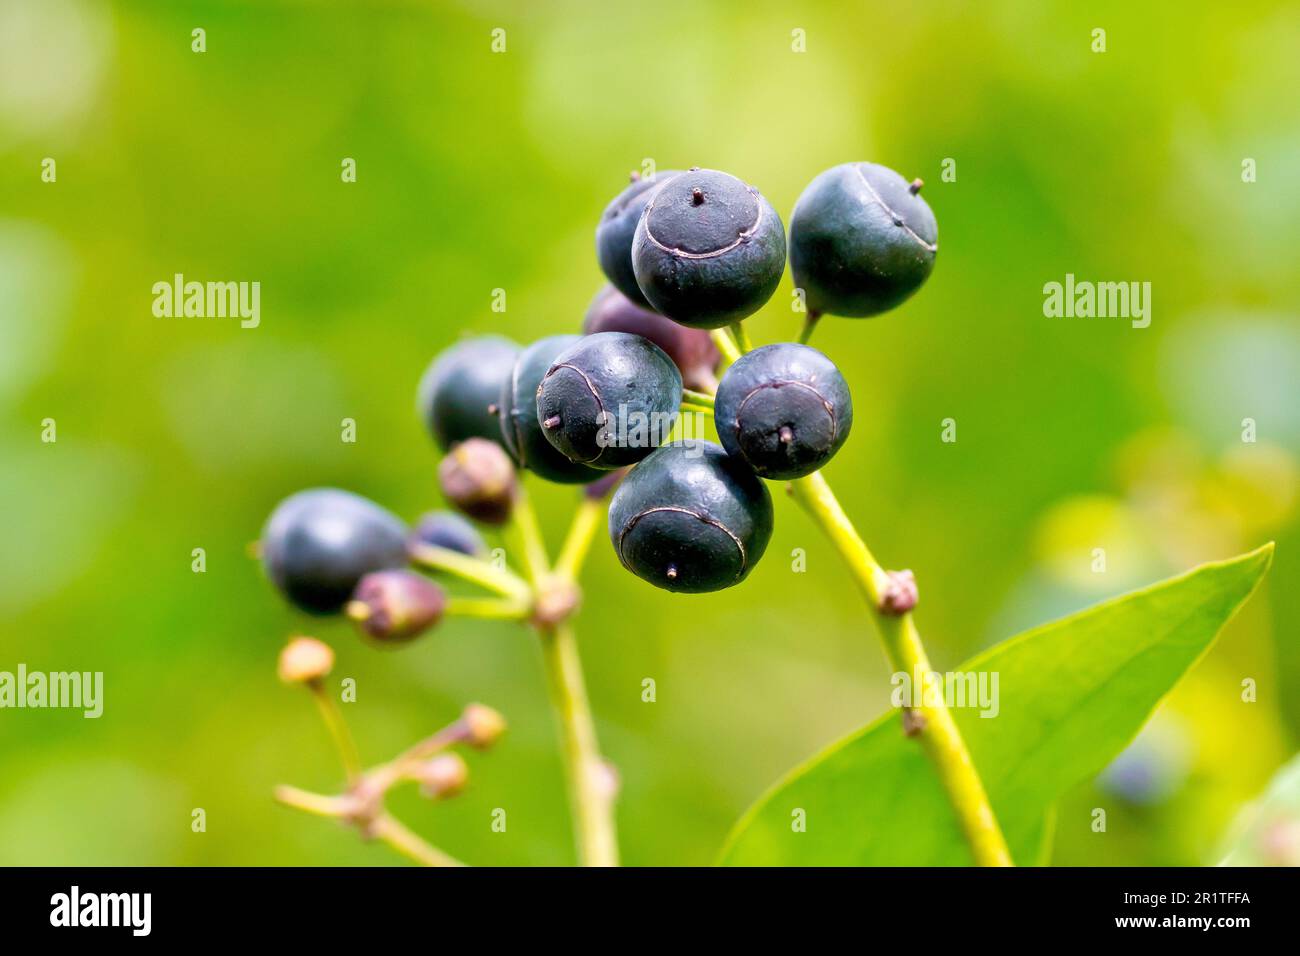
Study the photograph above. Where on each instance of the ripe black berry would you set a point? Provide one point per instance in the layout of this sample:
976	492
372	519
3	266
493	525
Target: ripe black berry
616	228
692	350
785	409
709	249
520	430
460	389
691	518
446	529
319	543
861	240
609	400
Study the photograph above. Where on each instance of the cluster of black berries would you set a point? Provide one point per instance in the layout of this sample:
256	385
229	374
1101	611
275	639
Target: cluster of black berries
685	252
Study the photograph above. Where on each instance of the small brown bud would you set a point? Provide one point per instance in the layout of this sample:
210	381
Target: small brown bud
900	594
913	722
396	605
555	602
478	478
305	659
442	776
484	725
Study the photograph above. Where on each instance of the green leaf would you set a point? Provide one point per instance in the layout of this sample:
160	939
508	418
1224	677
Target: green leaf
1071	695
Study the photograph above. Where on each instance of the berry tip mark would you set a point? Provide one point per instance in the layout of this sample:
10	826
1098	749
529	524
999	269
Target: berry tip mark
916	186
551	423
697	196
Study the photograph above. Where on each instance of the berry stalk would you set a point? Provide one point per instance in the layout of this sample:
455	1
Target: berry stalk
931	723
475	570
891	609
590	788
591	794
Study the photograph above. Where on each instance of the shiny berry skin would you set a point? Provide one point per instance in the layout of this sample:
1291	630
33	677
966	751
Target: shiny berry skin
862	240
709	249
784	409
691	518
609	399
616	228
459	391
520	430
692	350
319	543
446	529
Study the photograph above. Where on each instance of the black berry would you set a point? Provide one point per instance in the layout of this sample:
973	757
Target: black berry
319	543
709	249
691	518
616	228
692	350
520	429
446	529
459	391
862	240
609	399
785	409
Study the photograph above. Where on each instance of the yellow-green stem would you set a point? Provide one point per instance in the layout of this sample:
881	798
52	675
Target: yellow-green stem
500	609
938	733
587	521
338	729
404	841
474	570
741	336
590	782
523	519
703	399
591	794
726	345
384	826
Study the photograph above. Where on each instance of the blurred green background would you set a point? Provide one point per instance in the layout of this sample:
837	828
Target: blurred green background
479	171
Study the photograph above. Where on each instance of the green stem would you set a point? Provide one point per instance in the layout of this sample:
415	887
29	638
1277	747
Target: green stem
937	732
384	826
591	794
474	570
524	521
587	521
591	790
741	337
338	729
726	345
493	609
389	829
703	399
